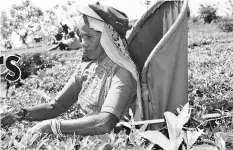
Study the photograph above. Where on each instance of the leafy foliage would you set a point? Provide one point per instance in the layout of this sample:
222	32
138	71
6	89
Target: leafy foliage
194	19
226	25
5	26
29	64
230	6
50	23
24	17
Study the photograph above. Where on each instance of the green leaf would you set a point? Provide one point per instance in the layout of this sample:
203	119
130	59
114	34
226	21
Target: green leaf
171	120
34	138
106	146
104	137
150	147
192	137
227	137
50	147
158	138
219	141
42	142
184	115
175	125
143	128
131	113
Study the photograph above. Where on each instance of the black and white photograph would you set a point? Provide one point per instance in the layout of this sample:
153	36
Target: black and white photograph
116	75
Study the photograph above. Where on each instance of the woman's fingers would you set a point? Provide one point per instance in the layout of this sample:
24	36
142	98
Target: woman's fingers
43	127
8	120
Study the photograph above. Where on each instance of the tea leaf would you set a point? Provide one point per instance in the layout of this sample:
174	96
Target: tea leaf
219	141
106	146
192	137
227	137
184	115
42	143
143	128
158	138
150	147
171	120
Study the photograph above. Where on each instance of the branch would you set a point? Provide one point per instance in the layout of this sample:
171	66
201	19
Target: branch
214	117
209	117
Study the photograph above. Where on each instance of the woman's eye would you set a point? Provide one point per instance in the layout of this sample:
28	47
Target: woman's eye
86	36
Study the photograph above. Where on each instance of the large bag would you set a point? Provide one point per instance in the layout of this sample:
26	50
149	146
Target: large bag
158	45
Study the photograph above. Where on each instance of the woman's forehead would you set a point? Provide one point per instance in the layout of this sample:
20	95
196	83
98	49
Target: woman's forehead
84	28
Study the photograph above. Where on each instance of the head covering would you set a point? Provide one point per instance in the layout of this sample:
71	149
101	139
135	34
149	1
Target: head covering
117	19
114	44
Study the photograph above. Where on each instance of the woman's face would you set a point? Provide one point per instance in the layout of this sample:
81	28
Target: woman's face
90	40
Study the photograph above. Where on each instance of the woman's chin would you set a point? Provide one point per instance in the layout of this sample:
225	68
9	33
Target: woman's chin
90	57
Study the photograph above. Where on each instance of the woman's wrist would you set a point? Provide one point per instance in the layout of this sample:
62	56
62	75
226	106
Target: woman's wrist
56	126
21	115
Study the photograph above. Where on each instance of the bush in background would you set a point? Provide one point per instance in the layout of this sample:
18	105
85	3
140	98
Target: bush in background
226	24
31	63
194	19
208	13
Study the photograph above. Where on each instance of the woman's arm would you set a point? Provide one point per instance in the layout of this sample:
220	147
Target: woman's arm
66	98
121	96
91	125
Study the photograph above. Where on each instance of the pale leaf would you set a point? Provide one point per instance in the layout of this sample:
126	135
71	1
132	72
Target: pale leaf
72	145
204	147
106	146
219	141
131	113
50	147
103	137
179	139
43	95
26	139
185	138
34	138
143	128
227	137
192	137
184	116
131	116
150	147
61	147
158	138
42	142
18	144
111	136
171	120
3	108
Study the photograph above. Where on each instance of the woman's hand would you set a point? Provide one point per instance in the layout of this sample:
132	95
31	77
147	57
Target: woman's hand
12	117
42	127
9	119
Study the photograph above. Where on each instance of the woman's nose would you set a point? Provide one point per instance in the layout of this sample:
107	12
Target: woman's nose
84	44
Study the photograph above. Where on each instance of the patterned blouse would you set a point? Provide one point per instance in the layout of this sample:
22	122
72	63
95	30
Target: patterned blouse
100	87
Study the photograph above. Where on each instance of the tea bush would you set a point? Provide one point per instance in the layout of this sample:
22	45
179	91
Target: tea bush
226	26
194	19
30	63
208	13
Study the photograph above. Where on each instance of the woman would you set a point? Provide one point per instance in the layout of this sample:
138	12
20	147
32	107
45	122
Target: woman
106	87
